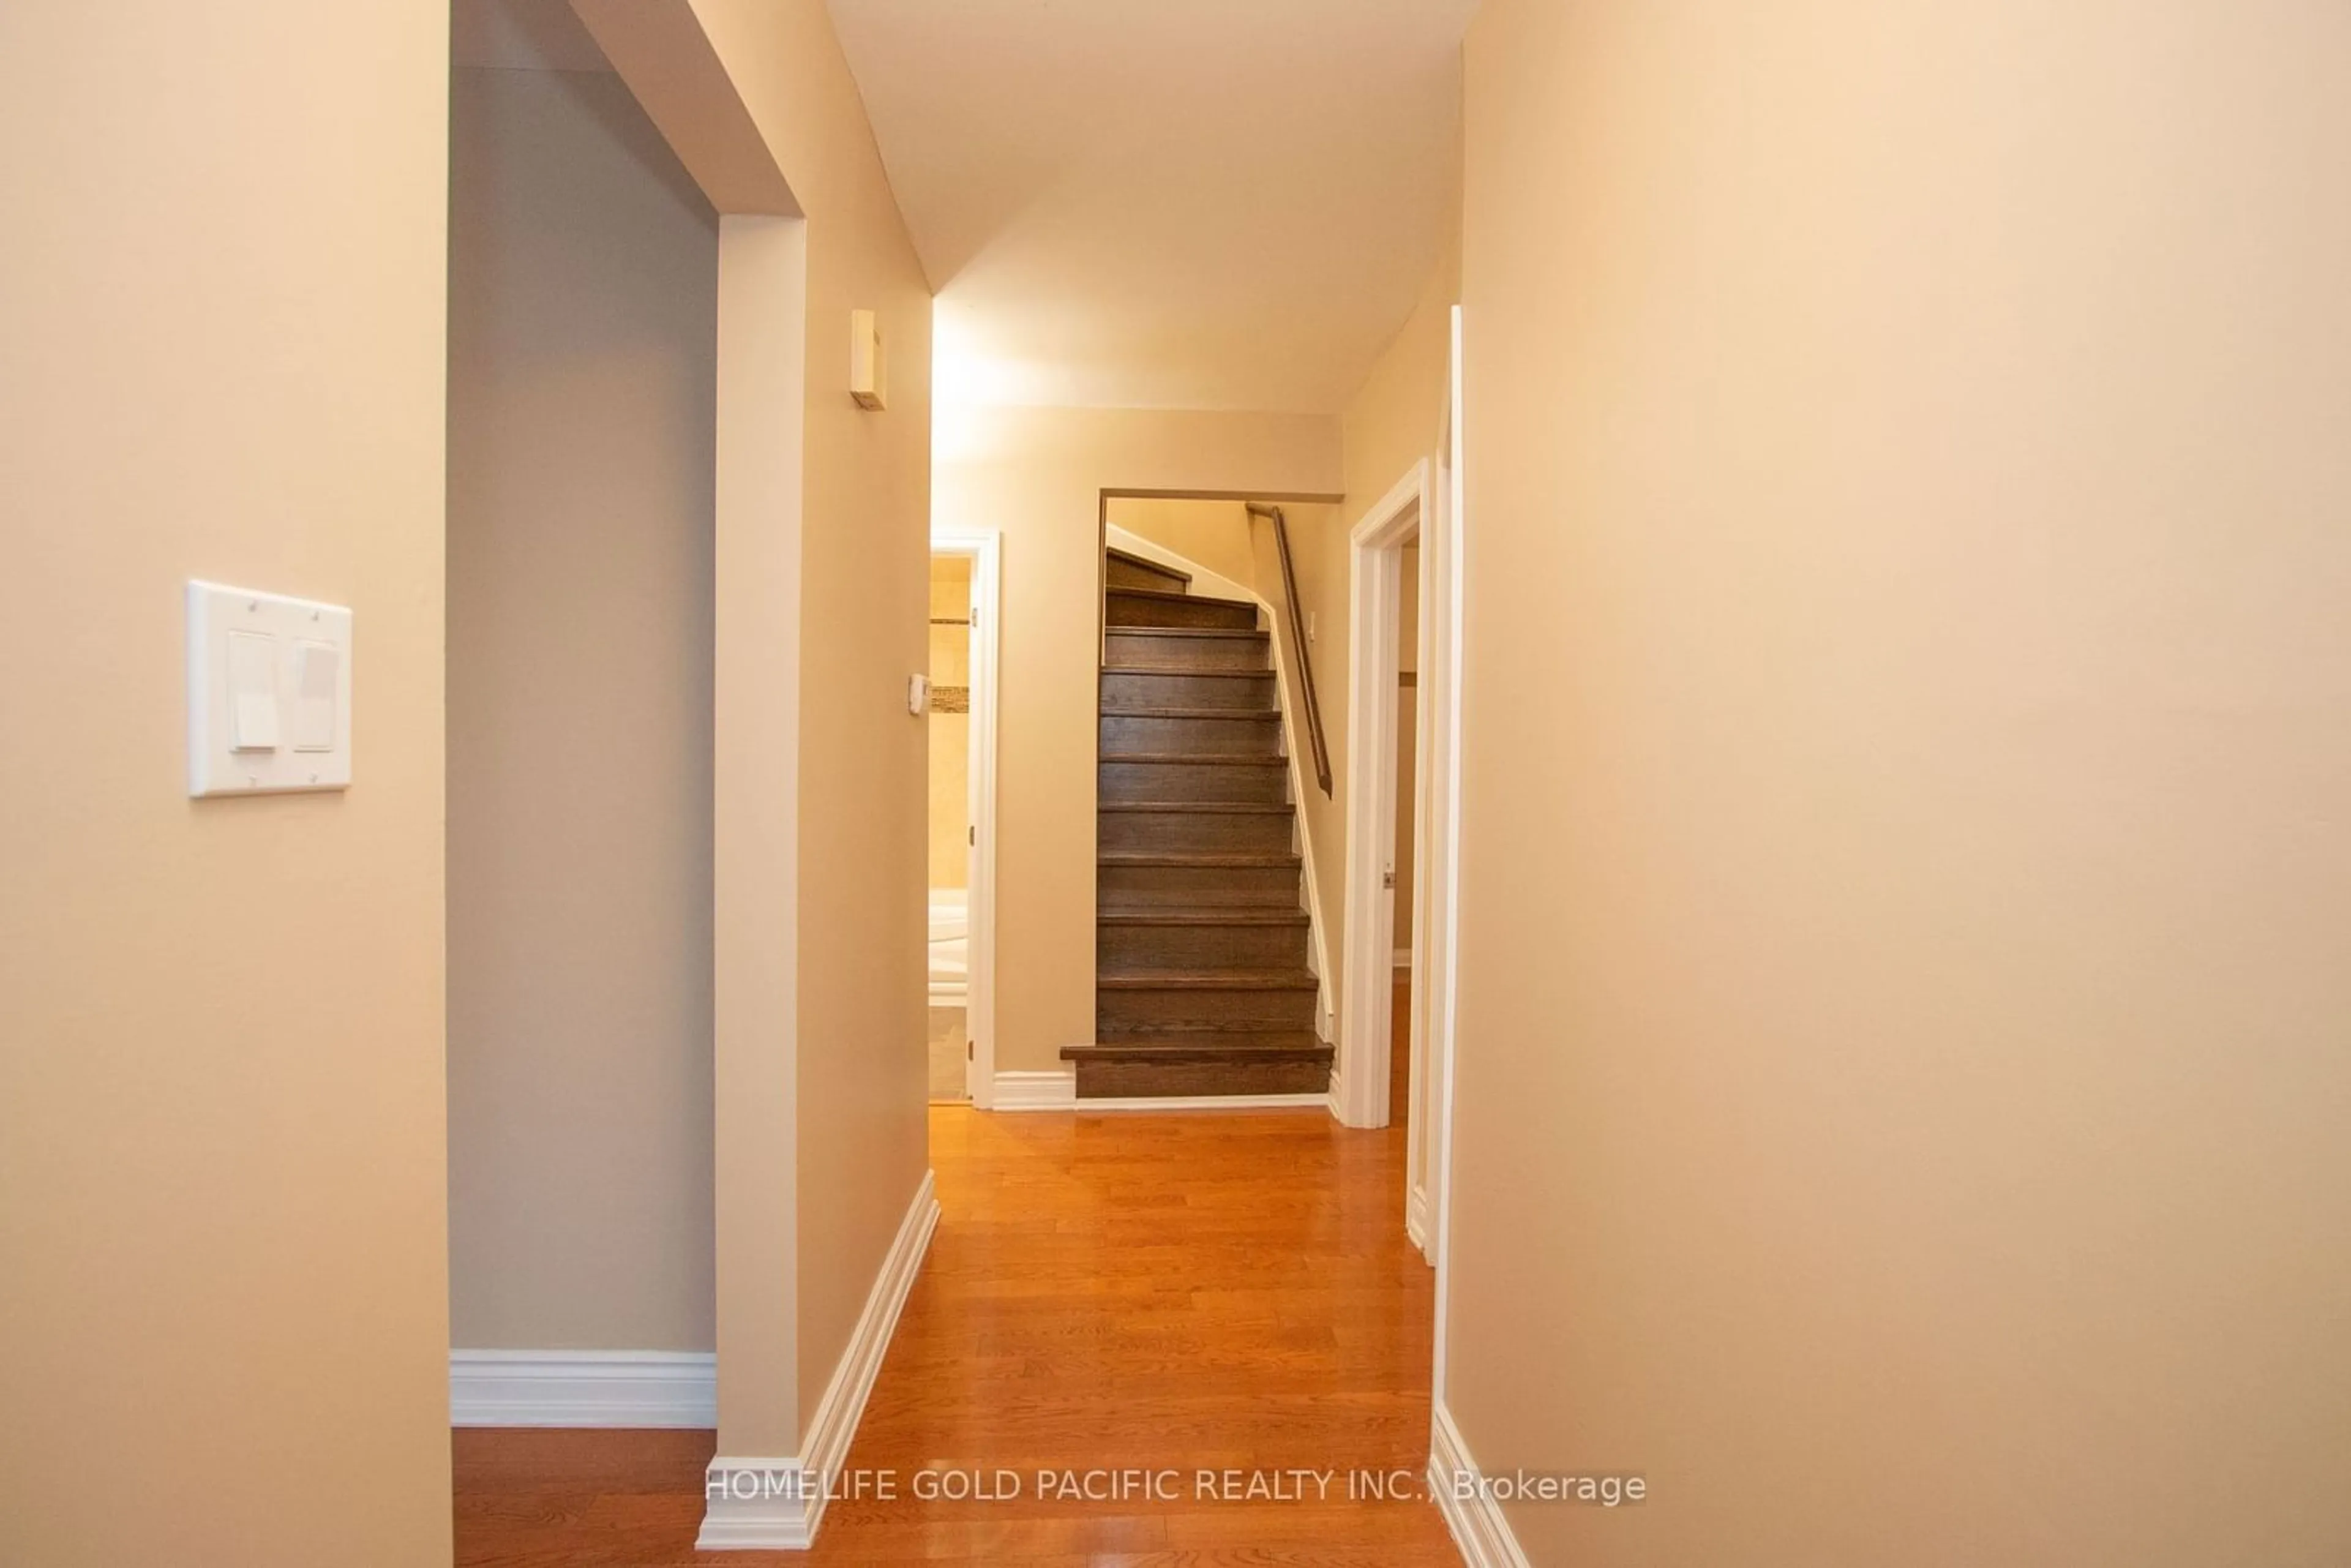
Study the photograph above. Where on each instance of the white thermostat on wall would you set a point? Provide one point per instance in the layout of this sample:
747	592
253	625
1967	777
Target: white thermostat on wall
269	693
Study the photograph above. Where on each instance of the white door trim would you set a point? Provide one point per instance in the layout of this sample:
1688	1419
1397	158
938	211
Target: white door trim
1436	842
1444	1055
1374	565
985	547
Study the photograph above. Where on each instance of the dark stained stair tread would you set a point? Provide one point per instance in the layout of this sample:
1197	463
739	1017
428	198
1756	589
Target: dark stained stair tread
1298	1044
1190	857
1202	949
1190	671
1233	808
1208	980
1176	596
1146	607
1260	779
1224	1073
1194	827
1199	759
1205	1034
1119	629
1145	564
1236	914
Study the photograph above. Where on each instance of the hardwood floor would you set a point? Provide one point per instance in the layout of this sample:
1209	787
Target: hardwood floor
1104	1292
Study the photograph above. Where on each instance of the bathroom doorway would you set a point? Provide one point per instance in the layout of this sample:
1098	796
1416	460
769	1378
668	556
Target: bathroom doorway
961	1034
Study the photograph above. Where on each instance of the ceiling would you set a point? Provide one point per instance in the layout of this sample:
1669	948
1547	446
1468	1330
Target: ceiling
1164	203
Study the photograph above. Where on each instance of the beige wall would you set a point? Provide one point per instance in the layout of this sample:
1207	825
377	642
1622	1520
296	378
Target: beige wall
223	1304
1395	420
756	659
1212	535
1398	416
583	273
950	731
864	554
819	773
1038	474
1902	1093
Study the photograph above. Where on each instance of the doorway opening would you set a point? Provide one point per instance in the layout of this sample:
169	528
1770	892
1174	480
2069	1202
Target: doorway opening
1401	782
961	1034
1406	1045
1212	978
951	830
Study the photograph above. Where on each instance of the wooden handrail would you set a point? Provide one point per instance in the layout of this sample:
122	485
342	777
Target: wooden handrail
1298	643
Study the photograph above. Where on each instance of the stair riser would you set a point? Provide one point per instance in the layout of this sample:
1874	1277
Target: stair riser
1135	1080
1133	1010
1190	947
1192	781
1251	693
1140	647
1141	610
1126	574
1243	735
1196	887
1207	833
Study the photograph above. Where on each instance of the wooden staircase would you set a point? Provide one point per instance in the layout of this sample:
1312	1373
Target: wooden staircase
1201	978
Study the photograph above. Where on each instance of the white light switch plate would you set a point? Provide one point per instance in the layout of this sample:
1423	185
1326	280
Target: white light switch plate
269	693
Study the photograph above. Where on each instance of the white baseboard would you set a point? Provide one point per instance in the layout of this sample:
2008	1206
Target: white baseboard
758	1505
583	1388
763	1504
1058	1091
1475	1520
1415	1217
1036	1091
826	1445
